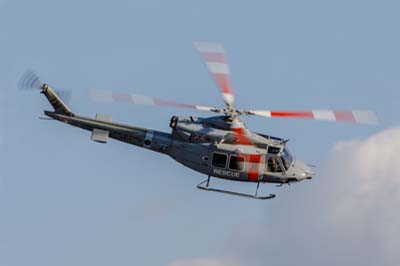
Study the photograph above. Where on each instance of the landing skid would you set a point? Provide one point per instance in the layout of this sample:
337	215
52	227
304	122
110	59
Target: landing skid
229	192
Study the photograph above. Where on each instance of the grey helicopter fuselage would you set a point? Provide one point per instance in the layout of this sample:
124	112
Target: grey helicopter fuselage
209	146
206	145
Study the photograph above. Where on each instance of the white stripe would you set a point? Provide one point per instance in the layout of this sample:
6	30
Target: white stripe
101	96
203	108
262	113
207	47
366	117
218	68
250	166
324	115
149	137
229	98
139	99
236	123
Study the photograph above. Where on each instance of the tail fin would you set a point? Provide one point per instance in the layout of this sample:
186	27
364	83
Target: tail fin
58	105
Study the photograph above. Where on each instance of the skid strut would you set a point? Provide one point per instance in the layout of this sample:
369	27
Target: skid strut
229	192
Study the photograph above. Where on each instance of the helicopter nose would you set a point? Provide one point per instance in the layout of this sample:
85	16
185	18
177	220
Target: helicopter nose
308	175
304	170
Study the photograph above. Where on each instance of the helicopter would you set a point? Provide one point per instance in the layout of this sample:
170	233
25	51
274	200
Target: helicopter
219	146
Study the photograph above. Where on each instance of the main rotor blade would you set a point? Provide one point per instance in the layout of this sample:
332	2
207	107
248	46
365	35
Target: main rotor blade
351	116
106	96
214	56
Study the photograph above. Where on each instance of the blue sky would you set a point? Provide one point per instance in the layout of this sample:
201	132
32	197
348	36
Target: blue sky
65	200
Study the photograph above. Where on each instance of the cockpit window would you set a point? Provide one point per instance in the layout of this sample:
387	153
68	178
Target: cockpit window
273	150
273	165
287	158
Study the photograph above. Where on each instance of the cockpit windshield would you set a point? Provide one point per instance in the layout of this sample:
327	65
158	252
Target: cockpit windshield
287	158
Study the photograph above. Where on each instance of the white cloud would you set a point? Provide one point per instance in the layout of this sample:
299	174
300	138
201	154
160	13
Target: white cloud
206	262
368	173
347	215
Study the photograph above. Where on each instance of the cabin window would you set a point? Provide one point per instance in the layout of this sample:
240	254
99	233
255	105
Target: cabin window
236	162
219	160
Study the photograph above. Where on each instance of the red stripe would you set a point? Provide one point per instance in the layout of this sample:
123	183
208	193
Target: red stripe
223	82
241	136
254	160
304	114
211	57
344	116
122	97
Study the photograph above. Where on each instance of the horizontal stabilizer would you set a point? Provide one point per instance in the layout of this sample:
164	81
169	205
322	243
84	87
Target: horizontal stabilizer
100	135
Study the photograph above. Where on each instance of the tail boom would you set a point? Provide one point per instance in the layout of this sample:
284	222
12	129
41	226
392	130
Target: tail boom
102	127
146	138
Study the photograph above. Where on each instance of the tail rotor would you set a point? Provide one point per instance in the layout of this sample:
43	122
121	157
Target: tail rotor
30	81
